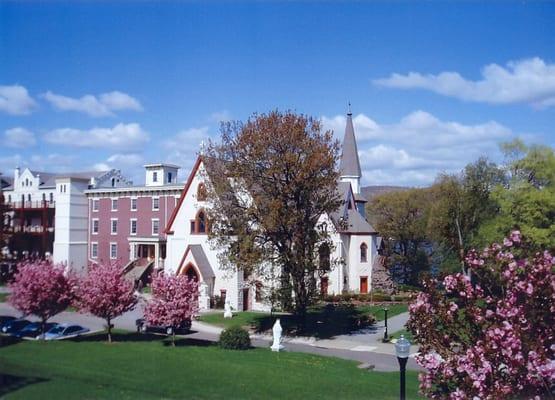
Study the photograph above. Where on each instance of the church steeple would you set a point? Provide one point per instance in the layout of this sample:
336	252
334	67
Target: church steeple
349	165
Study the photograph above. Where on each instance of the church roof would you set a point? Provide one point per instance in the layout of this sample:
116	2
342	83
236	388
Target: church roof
349	164
202	261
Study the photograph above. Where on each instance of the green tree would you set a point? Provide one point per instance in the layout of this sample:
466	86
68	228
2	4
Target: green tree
270	181
460	203
527	202
401	217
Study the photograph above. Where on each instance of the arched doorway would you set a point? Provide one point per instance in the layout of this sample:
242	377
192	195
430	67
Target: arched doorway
191	272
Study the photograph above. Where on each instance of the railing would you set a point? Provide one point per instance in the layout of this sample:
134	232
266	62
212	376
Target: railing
33	204
31	229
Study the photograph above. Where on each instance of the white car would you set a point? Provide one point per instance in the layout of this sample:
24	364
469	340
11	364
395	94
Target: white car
63	331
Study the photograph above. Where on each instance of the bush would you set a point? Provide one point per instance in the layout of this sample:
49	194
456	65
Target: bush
235	338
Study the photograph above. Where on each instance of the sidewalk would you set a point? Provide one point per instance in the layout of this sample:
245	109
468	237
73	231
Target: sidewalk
357	347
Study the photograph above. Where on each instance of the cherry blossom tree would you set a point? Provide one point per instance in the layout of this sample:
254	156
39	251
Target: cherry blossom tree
105	293
489	334
174	301
42	289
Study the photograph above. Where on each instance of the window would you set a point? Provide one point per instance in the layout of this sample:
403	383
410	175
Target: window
170	177
133	204
259	292
113	251
201	192
324	257
114	226
94	250
9	198
155	177
95	205
51	197
363	253
133	227
94	226
113	182
29	197
155	204
155	226
114	204
44	197
26	181
193	226
201	222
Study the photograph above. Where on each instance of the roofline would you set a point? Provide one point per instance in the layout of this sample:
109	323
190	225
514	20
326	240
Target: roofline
169	225
161	165
126	189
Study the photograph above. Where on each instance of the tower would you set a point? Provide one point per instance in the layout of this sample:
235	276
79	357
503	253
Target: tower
349	166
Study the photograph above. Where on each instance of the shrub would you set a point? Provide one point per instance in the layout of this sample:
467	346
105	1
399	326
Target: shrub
235	338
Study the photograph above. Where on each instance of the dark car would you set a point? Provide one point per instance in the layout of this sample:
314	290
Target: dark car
14	326
34	329
144	327
4	319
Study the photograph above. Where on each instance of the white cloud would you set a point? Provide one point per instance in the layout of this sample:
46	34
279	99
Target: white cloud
19	138
524	81
182	149
15	100
122	136
220	116
415	149
102	106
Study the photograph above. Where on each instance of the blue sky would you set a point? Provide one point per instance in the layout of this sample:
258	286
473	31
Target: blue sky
433	85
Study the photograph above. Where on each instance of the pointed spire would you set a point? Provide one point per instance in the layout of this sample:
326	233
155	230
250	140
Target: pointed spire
349	164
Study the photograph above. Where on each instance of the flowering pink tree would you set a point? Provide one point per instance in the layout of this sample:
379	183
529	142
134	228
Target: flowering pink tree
105	293
490	335
42	289
174	301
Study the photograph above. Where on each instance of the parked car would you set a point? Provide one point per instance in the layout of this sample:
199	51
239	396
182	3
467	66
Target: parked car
63	331
14	326
34	329
5	319
144	327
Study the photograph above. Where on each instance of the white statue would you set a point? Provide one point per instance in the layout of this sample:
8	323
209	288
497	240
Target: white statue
277	330
227	310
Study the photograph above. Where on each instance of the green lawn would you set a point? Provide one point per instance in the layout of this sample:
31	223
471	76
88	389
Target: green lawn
145	367
3	297
322	321
405	332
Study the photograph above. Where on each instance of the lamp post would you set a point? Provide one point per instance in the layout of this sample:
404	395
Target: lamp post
402	350
385	335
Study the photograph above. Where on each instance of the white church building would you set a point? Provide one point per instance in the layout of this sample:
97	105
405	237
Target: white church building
355	240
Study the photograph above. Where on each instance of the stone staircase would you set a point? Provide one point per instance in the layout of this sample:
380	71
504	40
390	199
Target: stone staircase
135	269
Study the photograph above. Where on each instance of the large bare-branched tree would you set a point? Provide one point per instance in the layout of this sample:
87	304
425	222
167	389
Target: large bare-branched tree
270	180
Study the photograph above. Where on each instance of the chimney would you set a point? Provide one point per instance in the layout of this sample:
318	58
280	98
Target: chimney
16	175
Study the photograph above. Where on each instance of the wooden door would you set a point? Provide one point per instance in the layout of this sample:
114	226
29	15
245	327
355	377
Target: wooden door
363	284
324	286
245	299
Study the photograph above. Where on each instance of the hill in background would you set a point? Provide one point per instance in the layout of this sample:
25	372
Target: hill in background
369	192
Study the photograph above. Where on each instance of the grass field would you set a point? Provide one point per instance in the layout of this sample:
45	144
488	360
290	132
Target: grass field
3	297
322	322
145	367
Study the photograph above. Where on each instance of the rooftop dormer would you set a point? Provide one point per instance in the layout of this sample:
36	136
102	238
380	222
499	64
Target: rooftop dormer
160	174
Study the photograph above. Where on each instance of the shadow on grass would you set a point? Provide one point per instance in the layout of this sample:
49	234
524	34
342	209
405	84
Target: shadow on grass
188	342
8	341
322	322
11	383
127	337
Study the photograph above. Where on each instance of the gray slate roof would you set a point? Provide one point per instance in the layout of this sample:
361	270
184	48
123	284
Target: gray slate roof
349	164
355	222
202	261
48	179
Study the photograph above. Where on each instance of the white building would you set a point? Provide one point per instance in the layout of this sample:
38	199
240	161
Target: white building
49	212
355	241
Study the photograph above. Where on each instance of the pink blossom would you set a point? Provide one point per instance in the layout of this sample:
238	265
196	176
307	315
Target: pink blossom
104	292
42	289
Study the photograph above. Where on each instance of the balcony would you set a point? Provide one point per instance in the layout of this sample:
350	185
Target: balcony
18	205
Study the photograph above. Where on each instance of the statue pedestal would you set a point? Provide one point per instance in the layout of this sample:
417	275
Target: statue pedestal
228	314
279	347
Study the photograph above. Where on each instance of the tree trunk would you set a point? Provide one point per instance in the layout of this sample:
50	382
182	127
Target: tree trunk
109	330
42	328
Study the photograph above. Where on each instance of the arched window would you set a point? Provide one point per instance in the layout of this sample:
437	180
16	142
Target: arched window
324	257
363	253
200	223
201	192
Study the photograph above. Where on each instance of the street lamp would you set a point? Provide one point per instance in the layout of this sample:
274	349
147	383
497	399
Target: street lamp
402	350
385	336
